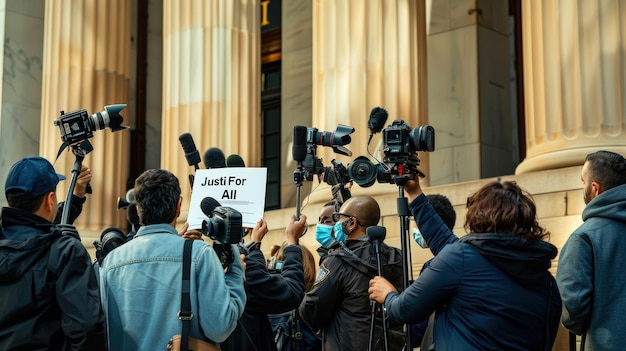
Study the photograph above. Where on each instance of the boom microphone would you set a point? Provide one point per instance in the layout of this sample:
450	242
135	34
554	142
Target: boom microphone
235	160
376	234
298	150
214	158
191	152
377	120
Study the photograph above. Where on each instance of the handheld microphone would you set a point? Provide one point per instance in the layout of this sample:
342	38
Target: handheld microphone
298	150
378	117
189	147
207	205
235	160
376	234
214	158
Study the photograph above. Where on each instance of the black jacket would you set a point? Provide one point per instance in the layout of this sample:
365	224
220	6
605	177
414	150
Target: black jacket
267	293
339	302
50	297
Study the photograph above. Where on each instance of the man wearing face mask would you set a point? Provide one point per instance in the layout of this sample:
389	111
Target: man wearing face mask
324	229
339	301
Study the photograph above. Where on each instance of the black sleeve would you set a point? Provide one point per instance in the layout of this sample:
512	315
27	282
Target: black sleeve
320	304
76	207
78	297
274	293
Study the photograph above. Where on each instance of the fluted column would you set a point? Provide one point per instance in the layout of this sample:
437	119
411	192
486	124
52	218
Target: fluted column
368	54
574	80
211	80
86	66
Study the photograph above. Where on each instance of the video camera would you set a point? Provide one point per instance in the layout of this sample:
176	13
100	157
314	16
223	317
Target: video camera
223	226
401	144
110	239
305	143
78	126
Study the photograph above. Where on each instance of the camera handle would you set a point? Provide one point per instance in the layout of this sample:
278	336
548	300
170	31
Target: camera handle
78	164
404	213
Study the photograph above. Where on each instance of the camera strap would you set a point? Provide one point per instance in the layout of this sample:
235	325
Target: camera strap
185	314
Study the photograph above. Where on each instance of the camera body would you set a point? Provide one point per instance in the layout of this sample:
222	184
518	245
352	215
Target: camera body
400	161
78	126
110	239
224	225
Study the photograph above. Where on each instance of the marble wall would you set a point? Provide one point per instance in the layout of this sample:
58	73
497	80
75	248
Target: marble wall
469	90
154	84
22	27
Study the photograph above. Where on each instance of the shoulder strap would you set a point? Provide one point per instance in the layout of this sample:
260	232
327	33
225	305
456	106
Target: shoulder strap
185	313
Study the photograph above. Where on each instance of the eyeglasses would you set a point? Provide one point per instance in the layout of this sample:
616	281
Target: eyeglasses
337	217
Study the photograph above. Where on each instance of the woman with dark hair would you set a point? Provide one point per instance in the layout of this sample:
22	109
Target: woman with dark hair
490	289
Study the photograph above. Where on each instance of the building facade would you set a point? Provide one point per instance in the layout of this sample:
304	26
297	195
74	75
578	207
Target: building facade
516	89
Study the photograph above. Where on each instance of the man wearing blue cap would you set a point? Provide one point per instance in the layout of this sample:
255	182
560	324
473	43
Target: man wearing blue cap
50	297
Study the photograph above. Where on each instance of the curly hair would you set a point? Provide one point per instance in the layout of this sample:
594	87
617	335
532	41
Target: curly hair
503	208
157	192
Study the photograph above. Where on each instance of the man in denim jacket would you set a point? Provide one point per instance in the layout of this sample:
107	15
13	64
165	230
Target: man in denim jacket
141	280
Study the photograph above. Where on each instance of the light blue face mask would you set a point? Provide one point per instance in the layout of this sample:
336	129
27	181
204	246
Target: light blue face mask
340	235
419	239
322	234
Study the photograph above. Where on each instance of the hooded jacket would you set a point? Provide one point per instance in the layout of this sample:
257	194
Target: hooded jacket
490	291
339	302
50	298
591	276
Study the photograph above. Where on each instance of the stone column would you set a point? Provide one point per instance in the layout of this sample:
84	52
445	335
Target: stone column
86	66
367	54
211	80
573	81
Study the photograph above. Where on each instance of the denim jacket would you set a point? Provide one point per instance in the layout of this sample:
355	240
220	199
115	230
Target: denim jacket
140	284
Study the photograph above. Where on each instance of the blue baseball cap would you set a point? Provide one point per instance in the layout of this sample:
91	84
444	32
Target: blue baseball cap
30	178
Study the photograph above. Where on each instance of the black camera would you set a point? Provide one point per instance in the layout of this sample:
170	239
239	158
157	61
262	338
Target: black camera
110	239
305	145
337	176
401	144
224	227
78	126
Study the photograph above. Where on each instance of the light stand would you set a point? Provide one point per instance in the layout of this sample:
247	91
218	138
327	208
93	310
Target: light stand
404	214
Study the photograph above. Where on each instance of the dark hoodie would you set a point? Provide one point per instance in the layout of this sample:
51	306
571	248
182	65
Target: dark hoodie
50	298
339	302
489	291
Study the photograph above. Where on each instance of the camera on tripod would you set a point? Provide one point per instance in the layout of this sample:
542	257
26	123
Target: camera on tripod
401	144
305	144
78	126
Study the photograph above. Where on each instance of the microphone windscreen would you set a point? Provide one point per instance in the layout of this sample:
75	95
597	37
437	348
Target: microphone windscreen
130	195
207	205
377	120
376	233
132	215
235	160
214	158
189	147
298	150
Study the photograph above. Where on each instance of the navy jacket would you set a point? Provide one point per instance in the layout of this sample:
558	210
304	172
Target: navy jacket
490	291
591	274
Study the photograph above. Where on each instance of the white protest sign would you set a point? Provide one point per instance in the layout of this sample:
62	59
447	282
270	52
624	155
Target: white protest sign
241	188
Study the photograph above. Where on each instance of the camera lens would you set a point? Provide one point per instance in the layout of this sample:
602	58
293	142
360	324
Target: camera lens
363	171
423	138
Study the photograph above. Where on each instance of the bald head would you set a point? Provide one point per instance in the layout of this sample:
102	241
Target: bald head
364	208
